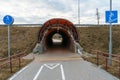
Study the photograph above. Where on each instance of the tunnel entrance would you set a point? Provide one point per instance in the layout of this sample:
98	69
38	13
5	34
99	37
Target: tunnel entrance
57	39
58	33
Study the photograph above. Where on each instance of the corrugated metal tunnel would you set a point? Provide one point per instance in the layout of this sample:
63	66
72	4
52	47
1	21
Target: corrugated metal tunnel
64	28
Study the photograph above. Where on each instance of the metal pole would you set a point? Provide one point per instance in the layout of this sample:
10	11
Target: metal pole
98	16
79	12
9	46
110	43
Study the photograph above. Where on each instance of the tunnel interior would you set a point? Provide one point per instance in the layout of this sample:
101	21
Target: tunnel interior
65	42
59	26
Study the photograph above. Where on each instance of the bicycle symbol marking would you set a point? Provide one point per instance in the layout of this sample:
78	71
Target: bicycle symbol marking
111	17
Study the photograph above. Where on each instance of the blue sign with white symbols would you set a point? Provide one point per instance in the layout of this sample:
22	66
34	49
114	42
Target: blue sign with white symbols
8	20
111	16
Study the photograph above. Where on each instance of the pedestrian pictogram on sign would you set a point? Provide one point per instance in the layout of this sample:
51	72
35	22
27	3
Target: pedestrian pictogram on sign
8	20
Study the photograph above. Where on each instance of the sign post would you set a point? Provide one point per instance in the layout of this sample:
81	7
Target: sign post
111	17
8	20
79	12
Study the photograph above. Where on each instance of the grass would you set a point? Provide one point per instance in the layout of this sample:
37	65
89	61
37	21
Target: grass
21	39
25	38
5	72
97	38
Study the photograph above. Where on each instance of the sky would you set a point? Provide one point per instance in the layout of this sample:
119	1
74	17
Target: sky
39	11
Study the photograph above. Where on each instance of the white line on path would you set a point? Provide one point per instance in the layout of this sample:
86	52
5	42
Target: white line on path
62	72
50	66
36	76
15	75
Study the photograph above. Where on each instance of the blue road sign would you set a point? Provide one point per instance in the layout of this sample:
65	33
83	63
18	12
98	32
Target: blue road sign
111	16
8	20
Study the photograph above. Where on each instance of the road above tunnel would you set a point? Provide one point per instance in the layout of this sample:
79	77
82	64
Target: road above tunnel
60	65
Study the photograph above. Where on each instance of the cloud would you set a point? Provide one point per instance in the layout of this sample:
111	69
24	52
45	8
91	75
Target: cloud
39	11
57	5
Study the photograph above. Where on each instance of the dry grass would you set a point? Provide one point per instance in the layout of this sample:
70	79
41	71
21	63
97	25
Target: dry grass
23	38
97	38
5	72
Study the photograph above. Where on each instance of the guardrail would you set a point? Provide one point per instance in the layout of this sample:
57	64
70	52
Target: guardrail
13	59
105	56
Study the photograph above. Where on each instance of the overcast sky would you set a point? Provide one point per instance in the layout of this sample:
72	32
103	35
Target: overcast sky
39	11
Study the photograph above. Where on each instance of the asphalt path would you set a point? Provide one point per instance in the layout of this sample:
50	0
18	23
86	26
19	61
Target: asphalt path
62	70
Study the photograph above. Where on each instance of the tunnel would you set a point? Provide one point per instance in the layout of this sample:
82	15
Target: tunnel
62	29
66	40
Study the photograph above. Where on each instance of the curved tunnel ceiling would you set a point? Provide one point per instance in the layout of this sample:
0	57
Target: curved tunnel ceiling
57	23
61	26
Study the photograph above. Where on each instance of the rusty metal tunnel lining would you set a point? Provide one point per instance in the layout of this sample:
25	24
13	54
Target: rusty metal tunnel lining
66	30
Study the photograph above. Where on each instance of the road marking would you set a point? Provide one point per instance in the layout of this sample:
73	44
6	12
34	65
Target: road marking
51	66
36	76
62	72
15	75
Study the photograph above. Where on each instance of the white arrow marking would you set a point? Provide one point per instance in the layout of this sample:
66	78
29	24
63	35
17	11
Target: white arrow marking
51	66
